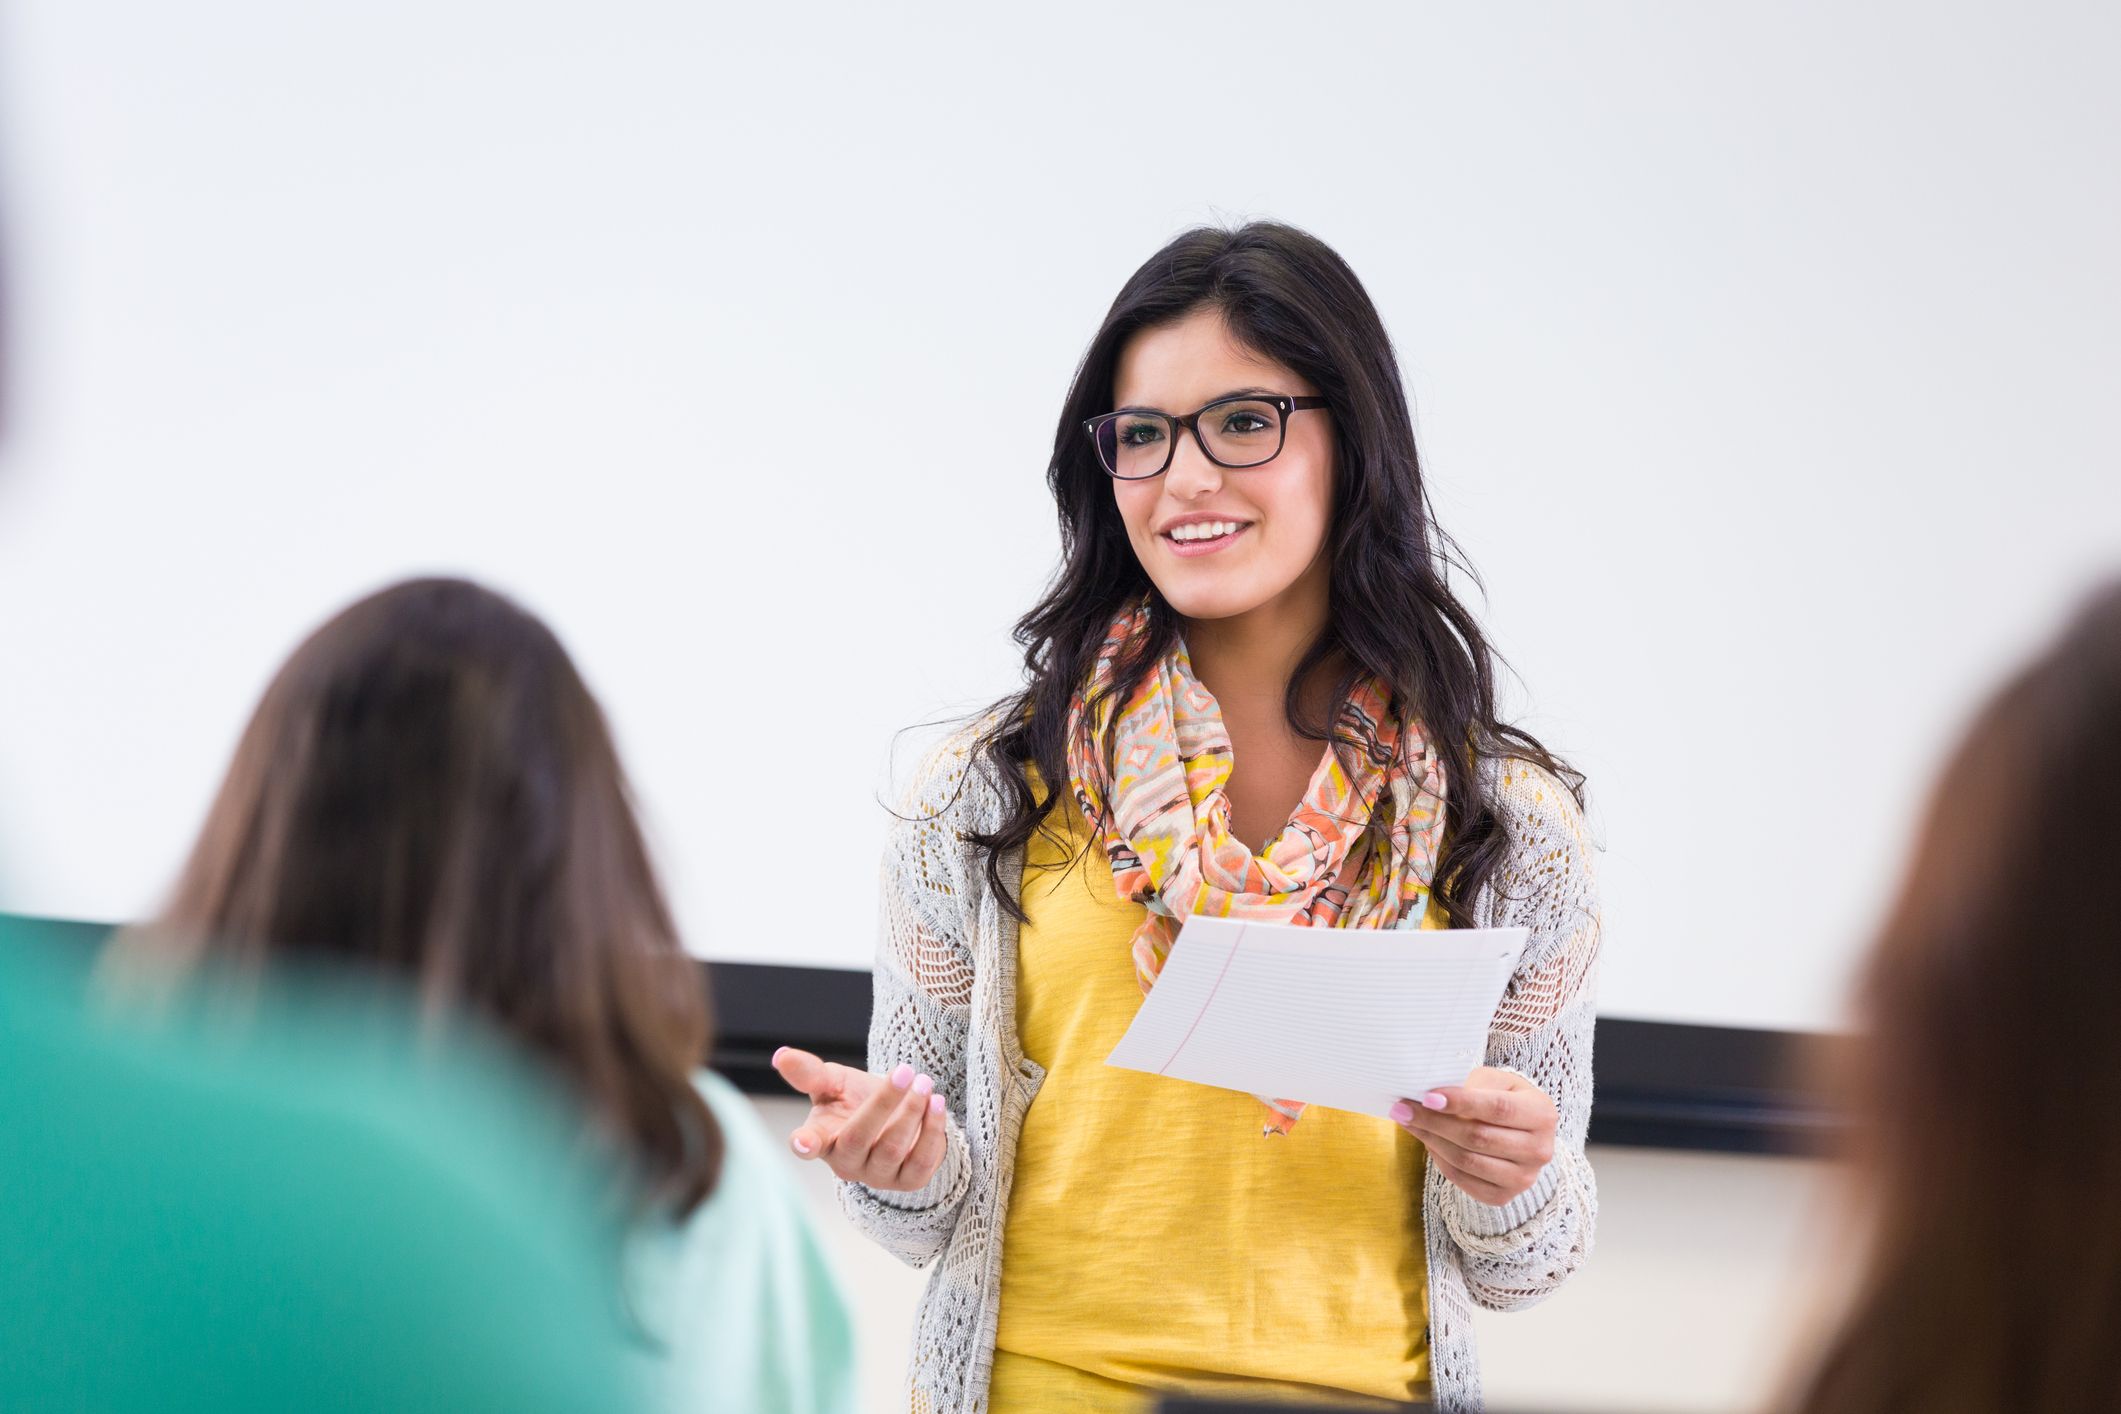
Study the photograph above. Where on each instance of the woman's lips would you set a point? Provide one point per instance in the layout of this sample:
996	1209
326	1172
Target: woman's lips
1191	548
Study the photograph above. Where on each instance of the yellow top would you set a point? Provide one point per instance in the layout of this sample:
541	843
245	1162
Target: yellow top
1157	1242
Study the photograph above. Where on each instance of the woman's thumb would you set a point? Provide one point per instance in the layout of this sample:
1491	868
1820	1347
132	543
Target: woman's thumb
805	1072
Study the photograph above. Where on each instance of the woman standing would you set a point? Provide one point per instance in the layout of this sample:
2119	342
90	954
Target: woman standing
1250	692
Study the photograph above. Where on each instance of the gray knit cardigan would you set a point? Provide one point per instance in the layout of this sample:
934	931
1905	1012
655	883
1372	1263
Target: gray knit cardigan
946	1005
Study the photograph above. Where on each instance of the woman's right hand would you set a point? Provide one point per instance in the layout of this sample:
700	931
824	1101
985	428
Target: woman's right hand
884	1131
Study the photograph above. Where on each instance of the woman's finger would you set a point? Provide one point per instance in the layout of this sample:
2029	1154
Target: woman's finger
1485	1167
927	1155
900	1133
1514	1109
1475	1136
859	1134
1492	1097
821	1080
816	1134
834	1091
1480	1190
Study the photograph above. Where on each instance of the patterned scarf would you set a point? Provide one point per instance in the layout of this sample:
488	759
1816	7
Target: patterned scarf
1157	803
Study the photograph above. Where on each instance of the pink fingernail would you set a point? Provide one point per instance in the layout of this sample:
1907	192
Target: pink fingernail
935	1104
922	1084
1402	1112
1433	1101
902	1077
778	1054
802	1145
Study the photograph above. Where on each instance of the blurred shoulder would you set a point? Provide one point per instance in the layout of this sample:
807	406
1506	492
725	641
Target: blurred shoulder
757	1181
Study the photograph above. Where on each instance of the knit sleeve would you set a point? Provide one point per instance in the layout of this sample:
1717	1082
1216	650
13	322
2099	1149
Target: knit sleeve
923	1002
1517	1254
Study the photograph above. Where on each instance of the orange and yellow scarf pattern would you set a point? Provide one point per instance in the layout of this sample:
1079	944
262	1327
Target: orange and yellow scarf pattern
1150	769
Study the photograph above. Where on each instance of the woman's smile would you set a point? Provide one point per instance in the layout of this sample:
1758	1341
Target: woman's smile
1195	535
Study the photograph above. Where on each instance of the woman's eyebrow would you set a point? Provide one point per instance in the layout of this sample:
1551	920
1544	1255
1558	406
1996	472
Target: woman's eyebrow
1250	392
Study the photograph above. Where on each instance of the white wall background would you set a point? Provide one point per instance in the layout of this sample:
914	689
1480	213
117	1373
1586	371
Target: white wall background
1764	357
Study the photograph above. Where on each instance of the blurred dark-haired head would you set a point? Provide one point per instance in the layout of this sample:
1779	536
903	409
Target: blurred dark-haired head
428	788
1986	1085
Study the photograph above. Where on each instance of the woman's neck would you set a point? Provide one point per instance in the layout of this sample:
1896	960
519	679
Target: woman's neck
1247	666
1247	660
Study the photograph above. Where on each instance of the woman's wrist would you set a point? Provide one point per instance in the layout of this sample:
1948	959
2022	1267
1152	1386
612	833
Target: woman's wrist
1480	1219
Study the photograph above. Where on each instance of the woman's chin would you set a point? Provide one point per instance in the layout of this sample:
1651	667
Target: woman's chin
1202	602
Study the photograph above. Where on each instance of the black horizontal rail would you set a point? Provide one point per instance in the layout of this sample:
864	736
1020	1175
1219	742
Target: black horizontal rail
1659	1084
1665	1085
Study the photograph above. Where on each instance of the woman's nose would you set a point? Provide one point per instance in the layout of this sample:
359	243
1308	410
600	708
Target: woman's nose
1191	474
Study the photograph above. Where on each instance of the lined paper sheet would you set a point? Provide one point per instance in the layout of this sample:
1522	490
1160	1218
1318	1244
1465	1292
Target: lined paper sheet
1353	1020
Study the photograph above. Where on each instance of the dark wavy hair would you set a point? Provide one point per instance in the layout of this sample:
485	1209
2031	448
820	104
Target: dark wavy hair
428	790
1984	1084
1392	614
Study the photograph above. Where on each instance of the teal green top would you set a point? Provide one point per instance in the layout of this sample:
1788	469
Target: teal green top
307	1212
737	1303
320	1210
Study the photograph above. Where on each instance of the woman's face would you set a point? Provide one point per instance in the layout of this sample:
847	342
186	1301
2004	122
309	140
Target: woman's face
1279	511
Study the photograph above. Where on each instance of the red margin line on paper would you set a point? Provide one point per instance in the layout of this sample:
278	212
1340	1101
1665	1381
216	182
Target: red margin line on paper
1205	1004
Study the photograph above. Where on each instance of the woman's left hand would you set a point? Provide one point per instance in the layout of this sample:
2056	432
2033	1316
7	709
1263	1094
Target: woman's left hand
1491	1136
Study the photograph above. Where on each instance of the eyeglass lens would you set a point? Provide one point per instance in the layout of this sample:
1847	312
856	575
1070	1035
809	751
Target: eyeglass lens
1240	433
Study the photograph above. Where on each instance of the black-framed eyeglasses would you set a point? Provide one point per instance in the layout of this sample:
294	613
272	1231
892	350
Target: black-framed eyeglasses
1244	430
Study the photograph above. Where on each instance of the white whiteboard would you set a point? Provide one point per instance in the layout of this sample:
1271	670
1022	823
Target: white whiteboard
1764	359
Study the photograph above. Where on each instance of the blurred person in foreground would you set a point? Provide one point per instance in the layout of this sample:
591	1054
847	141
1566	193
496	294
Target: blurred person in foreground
1986	1080
429	791
304	1211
